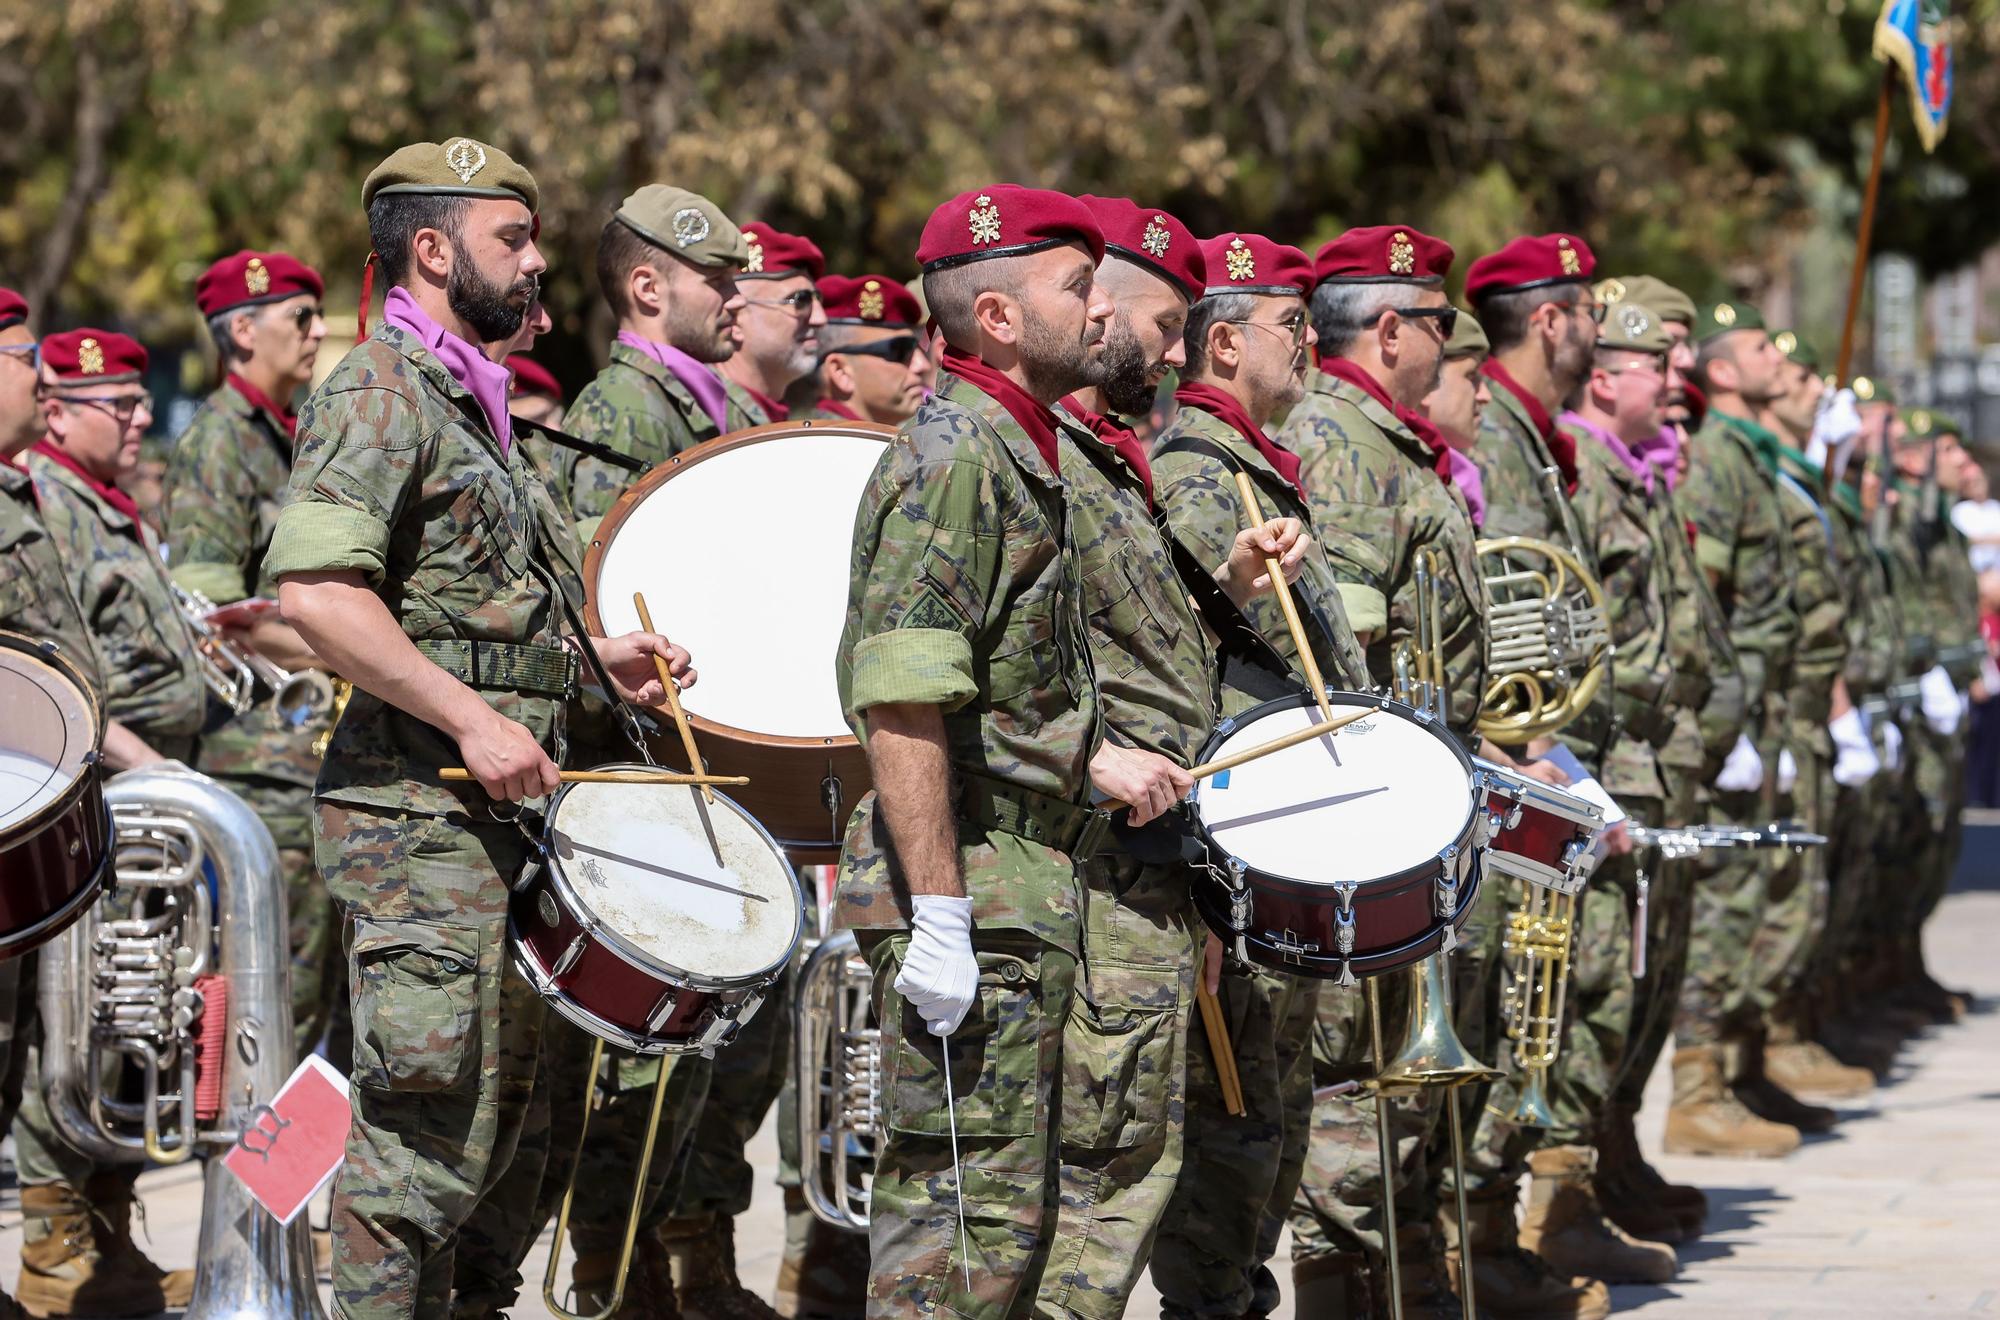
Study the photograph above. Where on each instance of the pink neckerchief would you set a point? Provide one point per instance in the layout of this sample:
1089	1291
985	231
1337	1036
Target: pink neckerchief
486	380
701	380
1465	476
1663	451
1619	450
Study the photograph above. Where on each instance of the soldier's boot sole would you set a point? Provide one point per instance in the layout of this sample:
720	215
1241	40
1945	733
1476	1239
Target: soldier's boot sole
1724	1129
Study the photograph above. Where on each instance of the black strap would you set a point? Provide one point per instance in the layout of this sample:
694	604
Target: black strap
562	440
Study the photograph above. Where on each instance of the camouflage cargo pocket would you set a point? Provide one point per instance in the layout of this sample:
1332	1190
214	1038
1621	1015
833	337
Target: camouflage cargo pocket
416	1004
999	1057
1118	1057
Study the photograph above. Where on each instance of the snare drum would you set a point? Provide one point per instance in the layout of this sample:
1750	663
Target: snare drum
742	547
55	835
631	929
1537	832
1349	855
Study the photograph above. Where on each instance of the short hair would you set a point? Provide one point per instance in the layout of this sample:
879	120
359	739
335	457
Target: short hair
219	331
621	250
951	291
1711	349
1209	311
1505	316
394	220
1341	311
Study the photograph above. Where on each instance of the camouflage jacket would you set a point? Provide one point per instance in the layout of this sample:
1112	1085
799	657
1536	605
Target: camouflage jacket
1743	538
1873	625
1156	670
1204	512
1373	488
965	594
1707	689
151	685
35	600
225	482
1946	601
1626	530
1524	494
637	407
398	478
1817	598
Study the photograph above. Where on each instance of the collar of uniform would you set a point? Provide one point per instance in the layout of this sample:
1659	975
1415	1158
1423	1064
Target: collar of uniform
227	399
657	371
13	477
1211	427
966	395
1762	442
1811	474
439	377
1594	447
1369	407
112	517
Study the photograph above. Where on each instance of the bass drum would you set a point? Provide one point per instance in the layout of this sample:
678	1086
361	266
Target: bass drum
55	834
743	548
1350	855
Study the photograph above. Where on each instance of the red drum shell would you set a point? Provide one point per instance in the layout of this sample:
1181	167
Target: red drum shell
55	863
1549	842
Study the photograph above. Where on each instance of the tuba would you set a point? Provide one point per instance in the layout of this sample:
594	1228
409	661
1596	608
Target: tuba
838	1070
233	673
136	985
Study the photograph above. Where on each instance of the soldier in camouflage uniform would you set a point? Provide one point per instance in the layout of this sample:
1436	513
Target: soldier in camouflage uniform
964	667
224	481
96	407
667	263
417	554
1248	346
874	360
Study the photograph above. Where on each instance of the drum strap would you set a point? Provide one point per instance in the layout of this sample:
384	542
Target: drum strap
562	440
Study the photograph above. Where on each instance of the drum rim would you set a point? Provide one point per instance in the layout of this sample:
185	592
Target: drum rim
1542	797
561	1001
593	926
47	653
1461	838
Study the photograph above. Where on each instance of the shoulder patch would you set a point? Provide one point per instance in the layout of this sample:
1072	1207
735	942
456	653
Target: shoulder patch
931	610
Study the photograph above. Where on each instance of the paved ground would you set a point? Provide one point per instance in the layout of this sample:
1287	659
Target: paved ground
1892	1215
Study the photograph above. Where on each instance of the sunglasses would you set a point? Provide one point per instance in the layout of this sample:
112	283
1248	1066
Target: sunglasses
1292	326
33	349
898	349
1446	317
798	301
121	410
304	316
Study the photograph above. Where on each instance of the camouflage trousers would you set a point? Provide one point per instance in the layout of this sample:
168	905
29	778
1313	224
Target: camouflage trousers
1729	893
1240	1174
745	1078
447	1038
1933	830
1797	905
1855	826
1670	888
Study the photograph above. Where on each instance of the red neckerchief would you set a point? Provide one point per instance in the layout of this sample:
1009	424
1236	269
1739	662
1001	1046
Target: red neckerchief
1035	419
838	409
1122	440
1561	447
1697	405
256	398
1217	404
111	495
774	410
1420	426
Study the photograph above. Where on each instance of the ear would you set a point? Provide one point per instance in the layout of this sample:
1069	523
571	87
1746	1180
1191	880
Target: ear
242	331
1225	345
998	316
646	287
1389	332
839	378
1722	374
433	251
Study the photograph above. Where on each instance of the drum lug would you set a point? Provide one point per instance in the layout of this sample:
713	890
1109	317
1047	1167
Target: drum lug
662	1010
1343	929
1239	897
570	955
1447	896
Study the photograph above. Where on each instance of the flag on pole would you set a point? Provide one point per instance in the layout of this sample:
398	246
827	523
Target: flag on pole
1915	36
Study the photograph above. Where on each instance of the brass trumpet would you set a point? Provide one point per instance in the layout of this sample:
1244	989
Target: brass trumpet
233	673
1534	982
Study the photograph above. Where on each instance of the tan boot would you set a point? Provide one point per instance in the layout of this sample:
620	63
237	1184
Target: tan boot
1808	1066
112	1197
1566	1227
649	1284
703	1250
1333	1286
66	1267
1511	1282
1706	1119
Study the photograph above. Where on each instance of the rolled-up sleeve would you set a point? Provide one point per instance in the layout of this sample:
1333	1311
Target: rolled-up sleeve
356	462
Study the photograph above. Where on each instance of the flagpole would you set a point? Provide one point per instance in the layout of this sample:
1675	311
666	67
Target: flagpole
1865	233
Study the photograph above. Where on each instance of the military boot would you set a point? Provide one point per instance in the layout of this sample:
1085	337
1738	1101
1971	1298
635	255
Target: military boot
1807	1065
1333	1285
703	1249
1566	1227
649	1283
824	1273
1509	1281
11	1309
67	1264
1743	1062
1635	1195
1706	1118
1427	1291
111	1195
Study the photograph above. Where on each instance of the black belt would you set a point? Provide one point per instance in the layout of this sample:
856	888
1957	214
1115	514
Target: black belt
548	671
1070	827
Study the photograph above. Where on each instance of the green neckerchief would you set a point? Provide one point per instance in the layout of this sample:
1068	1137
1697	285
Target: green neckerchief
1808	473
1913	488
1848	497
1765	442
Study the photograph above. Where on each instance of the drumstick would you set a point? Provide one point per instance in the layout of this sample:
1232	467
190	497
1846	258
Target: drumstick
1283	590
1248	754
1220	1048
673	697
458	774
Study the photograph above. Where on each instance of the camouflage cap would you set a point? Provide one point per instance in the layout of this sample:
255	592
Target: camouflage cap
1725	318
685	224
1633	328
1798	348
1873	389
456	167
1666	302
1468	339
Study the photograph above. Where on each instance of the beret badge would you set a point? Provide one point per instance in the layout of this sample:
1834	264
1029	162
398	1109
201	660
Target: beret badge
465	158
984	220
1921	421
870	303
690	226
1864	388
754	263
90	358
1725	315
1241	261
1785	342
1571	263
1402	254
256	277
1635	321
1611	290
1156	238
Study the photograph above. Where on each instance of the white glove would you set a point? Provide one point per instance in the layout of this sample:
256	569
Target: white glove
1939	698
1835	430
1743	771
940	975
1854	762
1892	745
1788	770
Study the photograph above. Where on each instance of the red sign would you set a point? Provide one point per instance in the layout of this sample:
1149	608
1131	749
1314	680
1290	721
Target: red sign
291	1147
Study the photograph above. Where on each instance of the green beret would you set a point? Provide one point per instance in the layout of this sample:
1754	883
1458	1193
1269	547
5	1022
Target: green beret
1921	424
1633	328
457	167
1666	302
1872	389
1468	339
1724	317
1798	349
685	224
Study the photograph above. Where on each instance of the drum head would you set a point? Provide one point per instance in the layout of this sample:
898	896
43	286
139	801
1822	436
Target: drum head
637	862
48	736
743	547
1377	799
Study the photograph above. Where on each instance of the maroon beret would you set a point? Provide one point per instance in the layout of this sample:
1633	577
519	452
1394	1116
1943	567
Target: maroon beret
774	253
1005	220
249	278
531	377
1251	263
869	300
1530	262
13	308
1152	239
93	357
1384	254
